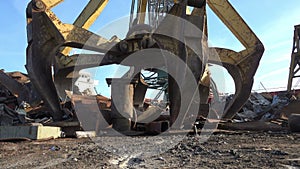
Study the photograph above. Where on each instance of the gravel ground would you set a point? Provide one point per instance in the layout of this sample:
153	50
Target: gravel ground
222	150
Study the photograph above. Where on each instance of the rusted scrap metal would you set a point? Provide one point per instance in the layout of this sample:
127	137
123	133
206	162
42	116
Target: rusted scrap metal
18	84
16	88
19	102
10	117
277	113
259	108
19	76
255	107
7	98
157	127
294	124
293	107
11	96
94	112
103	102
291	112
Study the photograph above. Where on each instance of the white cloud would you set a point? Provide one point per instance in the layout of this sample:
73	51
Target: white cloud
280	44
281	28
274	57
272	74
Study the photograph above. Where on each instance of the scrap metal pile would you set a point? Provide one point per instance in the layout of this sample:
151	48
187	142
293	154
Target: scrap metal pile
280	108
262	112
19	101
260	108
12	109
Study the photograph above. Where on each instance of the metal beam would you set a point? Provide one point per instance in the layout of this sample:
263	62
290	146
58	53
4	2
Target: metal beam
88	16
90	13
14	87
142	11
295	57
240	65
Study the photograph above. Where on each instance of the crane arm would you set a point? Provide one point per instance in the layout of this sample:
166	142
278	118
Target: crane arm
241	65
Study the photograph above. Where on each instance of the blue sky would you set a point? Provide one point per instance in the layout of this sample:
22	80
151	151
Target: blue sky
272	20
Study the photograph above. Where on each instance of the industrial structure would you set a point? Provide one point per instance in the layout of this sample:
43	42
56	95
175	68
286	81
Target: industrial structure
295	58
50	42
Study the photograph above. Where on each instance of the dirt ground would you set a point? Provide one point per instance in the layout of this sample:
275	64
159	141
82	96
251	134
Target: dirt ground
222	150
